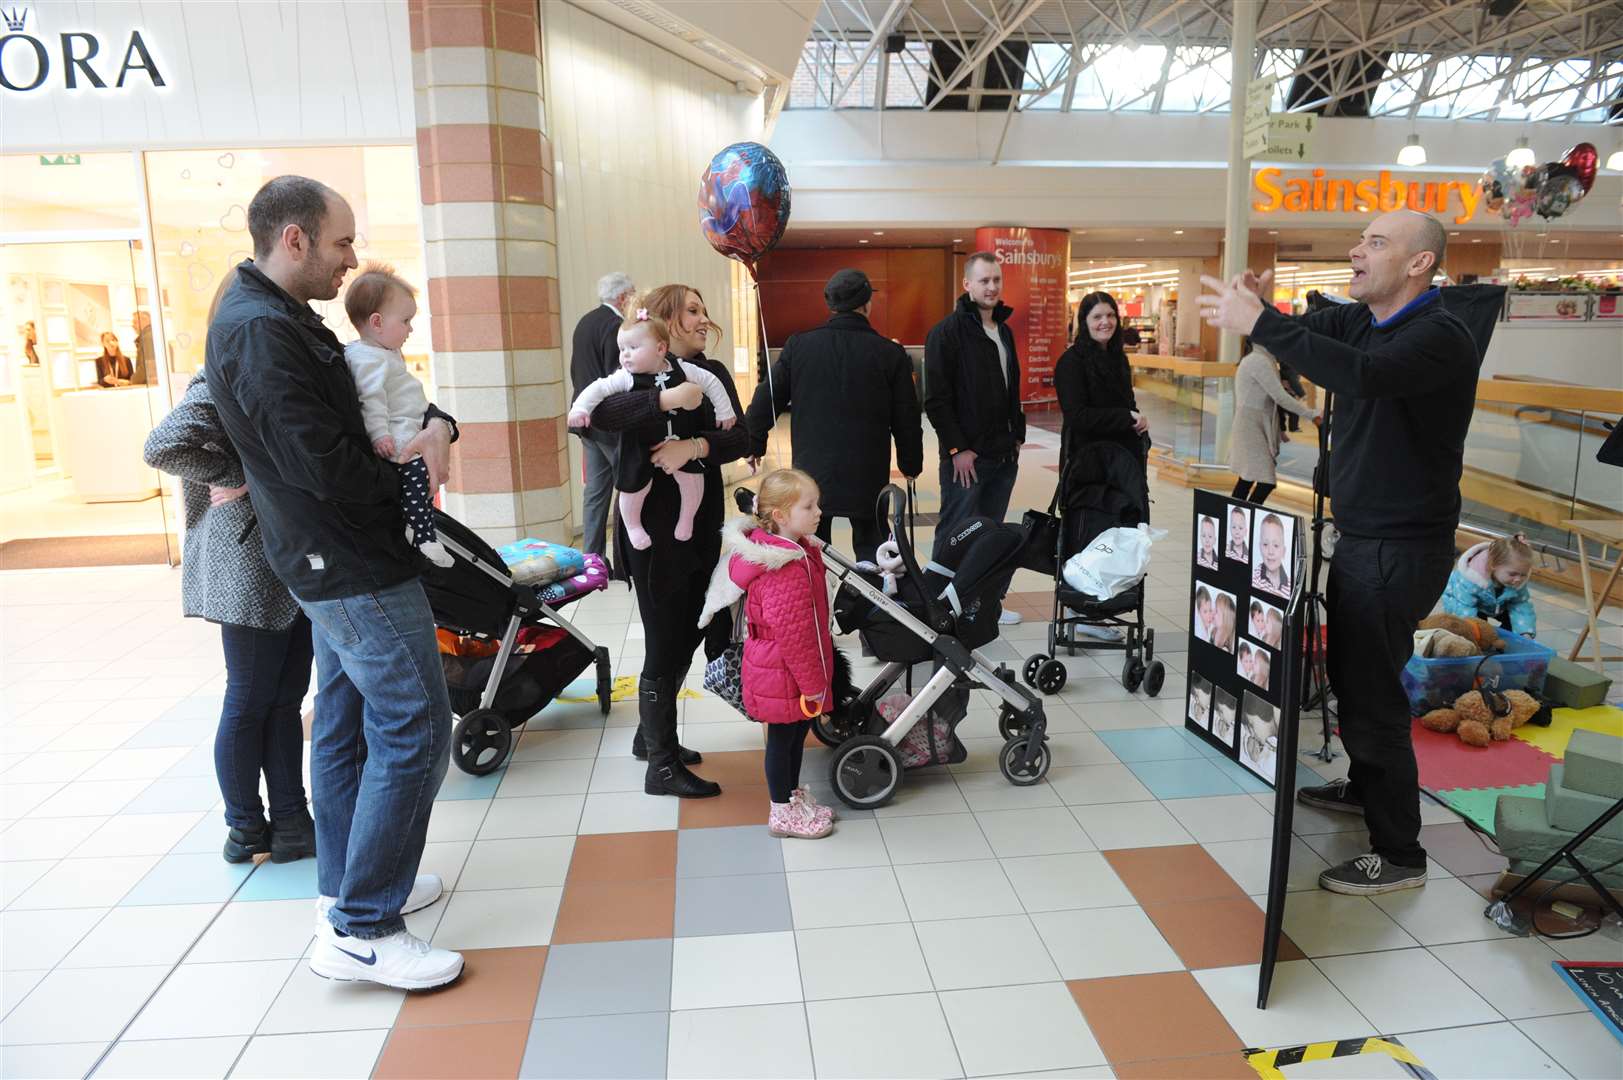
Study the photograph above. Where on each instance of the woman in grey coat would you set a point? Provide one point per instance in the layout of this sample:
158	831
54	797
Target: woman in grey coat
1254	438
266	637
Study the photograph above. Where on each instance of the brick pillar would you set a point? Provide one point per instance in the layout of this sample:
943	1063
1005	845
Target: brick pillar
485	167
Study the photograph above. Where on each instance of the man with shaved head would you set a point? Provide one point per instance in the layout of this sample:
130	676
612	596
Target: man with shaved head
1404	372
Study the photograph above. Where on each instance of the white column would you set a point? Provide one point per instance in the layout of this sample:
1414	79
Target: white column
1237	214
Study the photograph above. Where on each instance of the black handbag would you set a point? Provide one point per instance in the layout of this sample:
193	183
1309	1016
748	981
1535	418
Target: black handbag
1040	552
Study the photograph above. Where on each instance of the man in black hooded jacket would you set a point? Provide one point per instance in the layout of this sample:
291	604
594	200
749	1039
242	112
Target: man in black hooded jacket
851	391
972	396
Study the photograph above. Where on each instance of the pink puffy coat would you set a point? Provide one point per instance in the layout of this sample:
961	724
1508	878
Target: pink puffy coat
790	649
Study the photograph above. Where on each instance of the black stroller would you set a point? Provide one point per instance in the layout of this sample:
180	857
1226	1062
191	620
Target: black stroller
493	694
940	613
1102	485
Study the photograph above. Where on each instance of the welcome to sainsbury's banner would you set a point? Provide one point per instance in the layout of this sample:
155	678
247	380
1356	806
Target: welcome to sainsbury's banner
1036	264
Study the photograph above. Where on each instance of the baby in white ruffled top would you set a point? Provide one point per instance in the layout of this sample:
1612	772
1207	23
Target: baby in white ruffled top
381	305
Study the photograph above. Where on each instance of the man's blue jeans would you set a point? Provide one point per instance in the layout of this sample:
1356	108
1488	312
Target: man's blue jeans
988	496
378	750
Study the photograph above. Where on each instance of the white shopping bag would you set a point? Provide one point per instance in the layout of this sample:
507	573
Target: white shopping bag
1116	561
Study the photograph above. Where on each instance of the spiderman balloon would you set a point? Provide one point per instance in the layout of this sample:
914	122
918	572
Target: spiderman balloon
744	202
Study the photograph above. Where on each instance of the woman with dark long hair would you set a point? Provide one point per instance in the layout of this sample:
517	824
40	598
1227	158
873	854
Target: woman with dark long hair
1094	383
671	575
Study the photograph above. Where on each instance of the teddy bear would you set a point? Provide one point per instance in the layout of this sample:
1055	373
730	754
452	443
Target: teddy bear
1481	632
1476	723
1438	642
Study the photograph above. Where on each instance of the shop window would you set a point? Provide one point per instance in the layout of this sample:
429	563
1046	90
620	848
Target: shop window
200	230
42	193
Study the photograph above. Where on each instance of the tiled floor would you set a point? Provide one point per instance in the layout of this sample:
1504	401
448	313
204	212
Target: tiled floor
1105	922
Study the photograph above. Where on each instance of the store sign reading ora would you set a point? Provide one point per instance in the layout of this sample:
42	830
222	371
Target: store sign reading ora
79	49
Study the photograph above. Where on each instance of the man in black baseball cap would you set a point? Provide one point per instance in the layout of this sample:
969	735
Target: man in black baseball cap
852	393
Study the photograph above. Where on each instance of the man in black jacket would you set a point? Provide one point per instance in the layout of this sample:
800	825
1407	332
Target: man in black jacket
595	353
972	396
1403	370
851	391
329	514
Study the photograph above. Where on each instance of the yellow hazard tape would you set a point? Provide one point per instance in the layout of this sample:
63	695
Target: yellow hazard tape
1269	1064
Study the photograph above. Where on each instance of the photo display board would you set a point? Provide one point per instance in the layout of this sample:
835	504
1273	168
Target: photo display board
1246	559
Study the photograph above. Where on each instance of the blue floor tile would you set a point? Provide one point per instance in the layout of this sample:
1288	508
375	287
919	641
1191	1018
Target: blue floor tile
1151	744
1185	778
748	904
200	878
282	881
746	849
458	785
606	977
1248	781
176	795
627	1045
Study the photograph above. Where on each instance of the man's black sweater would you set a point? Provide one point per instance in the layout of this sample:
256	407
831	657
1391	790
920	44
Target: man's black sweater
1405	390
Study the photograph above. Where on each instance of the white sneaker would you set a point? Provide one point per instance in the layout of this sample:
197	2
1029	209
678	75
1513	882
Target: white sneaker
401	960
424	891
1099	633
1010	617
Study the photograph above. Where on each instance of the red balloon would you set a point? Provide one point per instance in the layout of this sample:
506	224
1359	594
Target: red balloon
1582	159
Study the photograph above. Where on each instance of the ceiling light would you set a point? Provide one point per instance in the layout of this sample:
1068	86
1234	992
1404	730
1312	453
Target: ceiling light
1522	155
1476	240
1138	239
1615	162
1177	232
958	239
1453	234
1412	153
879	232
862	241
1108	269
1273	232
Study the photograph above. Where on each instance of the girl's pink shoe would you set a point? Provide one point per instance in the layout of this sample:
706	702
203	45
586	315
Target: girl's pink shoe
796	822
804	797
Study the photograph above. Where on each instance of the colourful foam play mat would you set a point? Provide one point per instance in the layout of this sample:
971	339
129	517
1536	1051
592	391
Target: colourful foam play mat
1470	779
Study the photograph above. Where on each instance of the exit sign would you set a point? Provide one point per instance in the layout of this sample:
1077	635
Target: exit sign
59	159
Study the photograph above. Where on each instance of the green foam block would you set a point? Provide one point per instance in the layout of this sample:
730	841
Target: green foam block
1576	687
1573	811
1594	764
1522	832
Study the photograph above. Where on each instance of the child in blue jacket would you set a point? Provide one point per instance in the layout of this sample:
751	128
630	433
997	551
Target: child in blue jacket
1490	582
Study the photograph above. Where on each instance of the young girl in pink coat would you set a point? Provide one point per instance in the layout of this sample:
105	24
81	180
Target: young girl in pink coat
773	560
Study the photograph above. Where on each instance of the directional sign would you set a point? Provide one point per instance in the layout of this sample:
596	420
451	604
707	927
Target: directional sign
1289	137
1258	94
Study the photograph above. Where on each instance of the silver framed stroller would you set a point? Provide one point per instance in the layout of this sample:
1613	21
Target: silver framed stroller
1102	485
942	617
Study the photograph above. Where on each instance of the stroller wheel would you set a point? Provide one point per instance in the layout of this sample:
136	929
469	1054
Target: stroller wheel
605	680
480	742
1051	676
1132	674
866	772
1009	763
1010	724
1033	664
1154	676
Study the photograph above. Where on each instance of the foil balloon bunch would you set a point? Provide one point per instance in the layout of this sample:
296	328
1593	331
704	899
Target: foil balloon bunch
1548	190
744	202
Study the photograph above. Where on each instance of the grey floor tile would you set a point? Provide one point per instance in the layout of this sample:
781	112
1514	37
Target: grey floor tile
747	849
738	904
628	1046
606	977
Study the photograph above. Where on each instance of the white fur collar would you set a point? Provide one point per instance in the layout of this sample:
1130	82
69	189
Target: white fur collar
723	591
1464	565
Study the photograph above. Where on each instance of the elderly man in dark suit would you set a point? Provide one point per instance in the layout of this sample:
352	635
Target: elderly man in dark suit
595	354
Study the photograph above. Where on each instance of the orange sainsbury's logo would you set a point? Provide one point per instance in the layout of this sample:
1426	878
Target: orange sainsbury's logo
1330	194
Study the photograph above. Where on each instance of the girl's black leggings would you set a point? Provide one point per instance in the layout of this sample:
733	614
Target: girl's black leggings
1252	492
785	747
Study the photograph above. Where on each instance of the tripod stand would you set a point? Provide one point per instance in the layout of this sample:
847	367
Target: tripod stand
1315	676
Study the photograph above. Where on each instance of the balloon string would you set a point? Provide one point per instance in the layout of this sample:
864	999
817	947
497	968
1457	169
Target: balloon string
766	354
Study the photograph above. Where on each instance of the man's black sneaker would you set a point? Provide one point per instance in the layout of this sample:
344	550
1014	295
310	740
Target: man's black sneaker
1370	874
242	845
1336	795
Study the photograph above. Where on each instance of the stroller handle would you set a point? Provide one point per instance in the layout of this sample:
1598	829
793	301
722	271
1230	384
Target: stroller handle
892	505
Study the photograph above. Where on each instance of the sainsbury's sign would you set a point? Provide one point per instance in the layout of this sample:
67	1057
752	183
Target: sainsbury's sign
1322	193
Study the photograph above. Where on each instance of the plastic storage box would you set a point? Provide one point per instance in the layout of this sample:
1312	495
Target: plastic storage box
1434	683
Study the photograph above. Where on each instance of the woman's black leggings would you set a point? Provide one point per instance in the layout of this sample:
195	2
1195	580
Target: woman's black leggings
1250	492
785	747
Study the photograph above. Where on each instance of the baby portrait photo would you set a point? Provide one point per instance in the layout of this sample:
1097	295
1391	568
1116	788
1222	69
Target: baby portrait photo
1259	736
1223	706
1271	554
1206	542
1214	617
1200	700
1238	547
1253	663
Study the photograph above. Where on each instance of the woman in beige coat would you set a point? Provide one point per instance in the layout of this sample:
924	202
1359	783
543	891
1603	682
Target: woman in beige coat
1254	439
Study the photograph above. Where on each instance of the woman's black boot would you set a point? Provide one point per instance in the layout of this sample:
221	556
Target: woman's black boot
639	750
293	838
241	845
667	775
